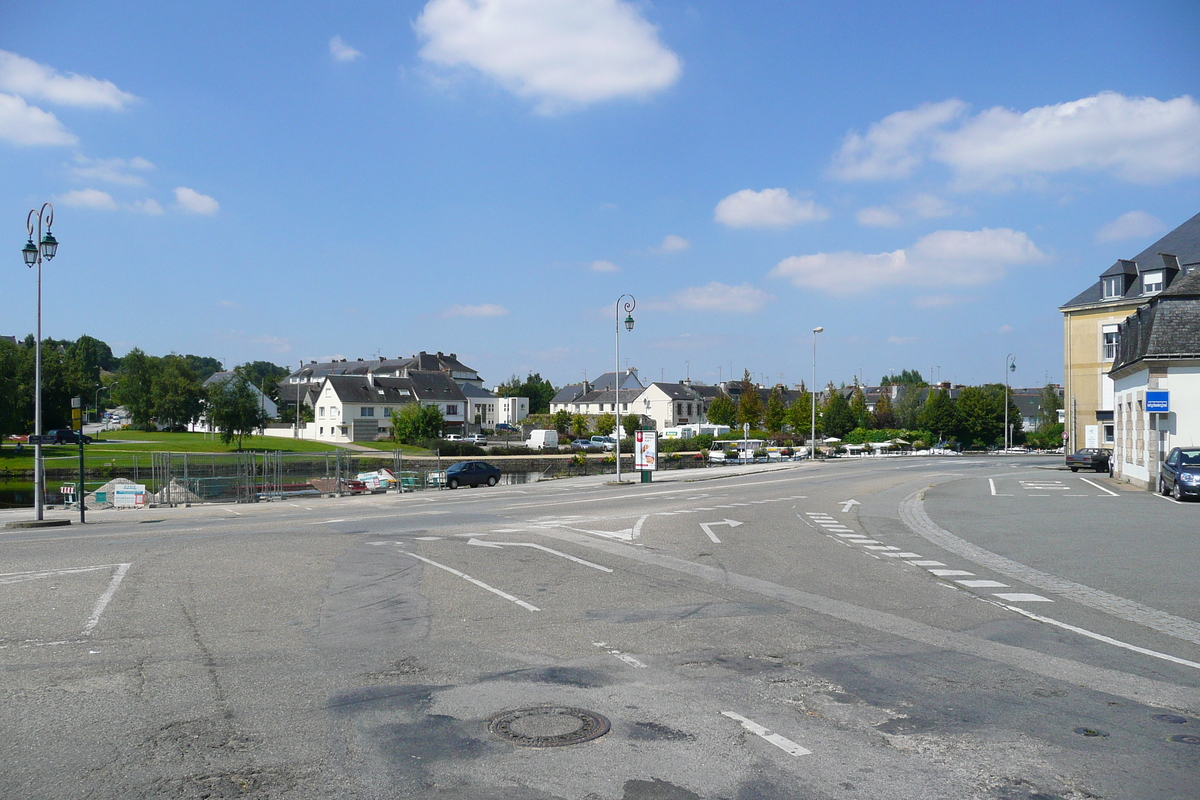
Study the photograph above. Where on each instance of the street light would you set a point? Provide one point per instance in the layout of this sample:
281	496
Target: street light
100	389
630	305
812	444
1010	365
34	255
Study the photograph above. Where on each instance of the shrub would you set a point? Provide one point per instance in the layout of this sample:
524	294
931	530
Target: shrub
453	448
515	450
701	442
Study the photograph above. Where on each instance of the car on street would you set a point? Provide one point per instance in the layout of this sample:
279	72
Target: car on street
1179	474
452	437
477	438
584	444
64	436
1089	458
605	442
471	473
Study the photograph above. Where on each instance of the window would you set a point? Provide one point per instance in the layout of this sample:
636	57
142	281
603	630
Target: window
1113	287
1108	434
1111	337
321	412
367	411
1152	282
387	411
451	410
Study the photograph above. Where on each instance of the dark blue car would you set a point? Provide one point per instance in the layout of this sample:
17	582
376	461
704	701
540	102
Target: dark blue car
471	473
1179	475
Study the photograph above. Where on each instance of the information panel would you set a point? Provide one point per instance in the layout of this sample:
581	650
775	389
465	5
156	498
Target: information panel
645	451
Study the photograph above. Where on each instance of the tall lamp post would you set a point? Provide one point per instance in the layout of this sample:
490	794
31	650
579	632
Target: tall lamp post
629	306
812	444
34	254
1010	365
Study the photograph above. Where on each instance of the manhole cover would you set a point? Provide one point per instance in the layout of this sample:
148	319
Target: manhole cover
1186	738
1173	718
1091	732
548	726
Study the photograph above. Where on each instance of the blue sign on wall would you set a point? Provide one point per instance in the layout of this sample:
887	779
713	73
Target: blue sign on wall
1158	402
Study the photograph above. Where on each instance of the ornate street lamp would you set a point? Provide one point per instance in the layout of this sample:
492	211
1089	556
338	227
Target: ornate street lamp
630	305
34	255
812	444
1010	365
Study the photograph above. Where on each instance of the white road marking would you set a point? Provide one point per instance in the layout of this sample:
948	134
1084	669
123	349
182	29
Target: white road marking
1102	638
848	504
21	577
325	521
543	548
102	603
865	541
852	536
428	538
929	563
992	483
902	555
733	523
478	583
786	745
880	547
507	530
1022	597
637	526
1101	488
943	573
1168	499
983	584
628	659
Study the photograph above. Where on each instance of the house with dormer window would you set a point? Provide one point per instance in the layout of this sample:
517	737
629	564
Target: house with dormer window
1091	330
357	408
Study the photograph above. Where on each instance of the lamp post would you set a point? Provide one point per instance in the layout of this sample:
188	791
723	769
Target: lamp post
812	445
1010	365
96	403
34	255
630	305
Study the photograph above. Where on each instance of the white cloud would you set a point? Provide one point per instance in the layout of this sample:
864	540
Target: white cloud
1133	225
149	206
1136	139
28	78
770	208
942	258
716	296
195	203
24	124
561	54
482	310
112	170
672	244
890	147
878	217
342	51
88	198
929	206
603	266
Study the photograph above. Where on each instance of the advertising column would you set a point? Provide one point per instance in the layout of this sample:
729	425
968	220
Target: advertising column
645	453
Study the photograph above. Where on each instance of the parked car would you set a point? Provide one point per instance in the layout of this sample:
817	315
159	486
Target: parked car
1089	458
477	438
605	442
64	436
452	437
1179	475
471	473
504	426
542	440
583	444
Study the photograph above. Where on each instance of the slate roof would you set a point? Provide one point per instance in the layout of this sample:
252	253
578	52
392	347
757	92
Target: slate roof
574	392
1183	242
393	367
1168	327
426	386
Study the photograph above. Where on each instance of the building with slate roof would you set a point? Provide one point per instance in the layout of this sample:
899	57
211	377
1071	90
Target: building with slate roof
570	395
1157	359
357	408
1091	321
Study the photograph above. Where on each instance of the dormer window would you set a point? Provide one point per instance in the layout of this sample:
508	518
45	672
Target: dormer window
1152	282
1114	287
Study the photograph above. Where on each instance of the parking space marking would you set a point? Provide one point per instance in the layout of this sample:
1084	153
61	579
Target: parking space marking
1101	488
784	744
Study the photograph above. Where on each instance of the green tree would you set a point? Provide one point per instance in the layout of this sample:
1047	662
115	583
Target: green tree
414	423
135	389
885	416
204	366
178	395
605	424
858	407
265	375
580	425
750	405
940	414
799	414
981	415
561	421
90	357
234	408
722	410
775	416
539	391
1049	404
838	418
908	377
631	422
16	397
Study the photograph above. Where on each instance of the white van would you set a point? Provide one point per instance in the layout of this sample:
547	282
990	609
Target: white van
542	440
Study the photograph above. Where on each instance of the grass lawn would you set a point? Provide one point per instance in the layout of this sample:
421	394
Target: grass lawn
408	449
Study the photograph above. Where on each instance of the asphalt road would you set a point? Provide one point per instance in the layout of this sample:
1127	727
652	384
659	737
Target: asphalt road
880	628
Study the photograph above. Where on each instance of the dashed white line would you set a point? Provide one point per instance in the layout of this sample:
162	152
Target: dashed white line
628	659
1022	597
784	744
928	563
102	603
983	584
945	573
903	555
478	583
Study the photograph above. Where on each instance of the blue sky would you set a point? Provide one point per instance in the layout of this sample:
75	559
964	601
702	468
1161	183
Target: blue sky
929	182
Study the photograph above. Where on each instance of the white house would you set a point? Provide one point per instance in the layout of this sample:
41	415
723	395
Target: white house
354	408
1156	376
511	410
672	404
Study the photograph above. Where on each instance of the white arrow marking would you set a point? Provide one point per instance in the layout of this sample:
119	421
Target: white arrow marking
102	603
733	523
784	744
498	545
847	504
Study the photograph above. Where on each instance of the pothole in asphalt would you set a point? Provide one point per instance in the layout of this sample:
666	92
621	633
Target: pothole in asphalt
1091	732
548	726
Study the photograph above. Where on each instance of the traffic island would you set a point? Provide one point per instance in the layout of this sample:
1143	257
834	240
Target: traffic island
38	523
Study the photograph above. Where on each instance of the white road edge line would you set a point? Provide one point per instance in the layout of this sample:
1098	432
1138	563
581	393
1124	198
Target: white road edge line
786	745
102	603
1098	486
1102	638
637	527
478	583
